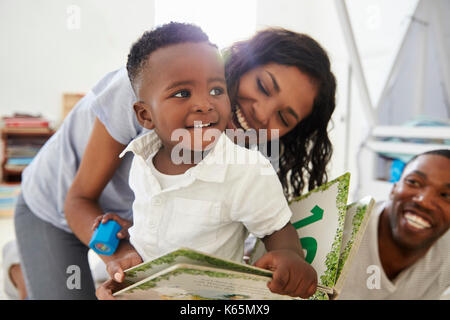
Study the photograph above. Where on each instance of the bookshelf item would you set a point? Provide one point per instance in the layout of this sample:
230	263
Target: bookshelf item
20	145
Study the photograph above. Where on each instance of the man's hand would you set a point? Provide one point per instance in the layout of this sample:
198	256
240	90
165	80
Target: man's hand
292	275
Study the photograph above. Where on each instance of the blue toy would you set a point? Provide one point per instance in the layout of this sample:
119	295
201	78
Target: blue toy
396	170
104	240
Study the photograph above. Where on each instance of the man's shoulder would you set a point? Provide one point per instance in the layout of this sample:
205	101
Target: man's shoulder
374	219
441	249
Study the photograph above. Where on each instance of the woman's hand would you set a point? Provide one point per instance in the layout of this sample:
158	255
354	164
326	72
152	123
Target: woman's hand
125	224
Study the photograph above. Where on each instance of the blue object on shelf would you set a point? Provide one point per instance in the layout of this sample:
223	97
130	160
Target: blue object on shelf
396	170
104	240
418	122
19	161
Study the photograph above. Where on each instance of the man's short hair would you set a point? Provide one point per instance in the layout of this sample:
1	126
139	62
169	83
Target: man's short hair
438	152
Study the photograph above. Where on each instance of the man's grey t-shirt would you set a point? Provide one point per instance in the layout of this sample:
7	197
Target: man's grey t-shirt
428	278
47	179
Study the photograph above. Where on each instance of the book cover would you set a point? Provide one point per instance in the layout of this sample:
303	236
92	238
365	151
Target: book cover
24	122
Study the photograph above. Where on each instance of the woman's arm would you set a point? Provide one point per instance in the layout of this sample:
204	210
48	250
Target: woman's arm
98	165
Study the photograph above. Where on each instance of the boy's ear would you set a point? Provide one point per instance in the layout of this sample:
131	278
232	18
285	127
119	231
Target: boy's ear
143	115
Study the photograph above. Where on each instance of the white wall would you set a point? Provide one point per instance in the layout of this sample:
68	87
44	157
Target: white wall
379	26
44	53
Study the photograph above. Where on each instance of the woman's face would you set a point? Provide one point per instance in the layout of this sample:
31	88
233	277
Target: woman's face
273	96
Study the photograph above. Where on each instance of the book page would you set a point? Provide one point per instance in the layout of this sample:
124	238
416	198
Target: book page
191	282
356	220
187	256
319	217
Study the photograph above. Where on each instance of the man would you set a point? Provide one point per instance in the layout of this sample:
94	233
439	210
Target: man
405	251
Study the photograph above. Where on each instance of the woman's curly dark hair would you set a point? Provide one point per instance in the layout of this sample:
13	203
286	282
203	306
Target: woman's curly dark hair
306	149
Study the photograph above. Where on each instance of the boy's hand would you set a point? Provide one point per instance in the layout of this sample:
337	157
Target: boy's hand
116	267
125	224
125	257
292	275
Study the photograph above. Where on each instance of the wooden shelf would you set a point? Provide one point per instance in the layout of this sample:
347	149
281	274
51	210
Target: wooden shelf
27	131
13	171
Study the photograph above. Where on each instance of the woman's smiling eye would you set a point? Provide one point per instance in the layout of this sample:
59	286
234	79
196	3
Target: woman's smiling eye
261	87
182	94
216	91
283	119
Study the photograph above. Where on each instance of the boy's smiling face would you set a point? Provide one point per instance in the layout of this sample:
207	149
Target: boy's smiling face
182	85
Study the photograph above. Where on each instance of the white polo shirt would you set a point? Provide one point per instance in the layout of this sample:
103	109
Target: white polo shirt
211	208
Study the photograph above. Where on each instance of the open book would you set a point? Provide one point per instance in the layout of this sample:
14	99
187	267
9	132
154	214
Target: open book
329	230
190	274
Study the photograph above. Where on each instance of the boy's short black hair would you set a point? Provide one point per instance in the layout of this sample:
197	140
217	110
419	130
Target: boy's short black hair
162	36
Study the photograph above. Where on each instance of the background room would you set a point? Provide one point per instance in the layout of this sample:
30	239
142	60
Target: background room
391	60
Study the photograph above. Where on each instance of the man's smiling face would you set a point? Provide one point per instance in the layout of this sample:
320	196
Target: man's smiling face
419	211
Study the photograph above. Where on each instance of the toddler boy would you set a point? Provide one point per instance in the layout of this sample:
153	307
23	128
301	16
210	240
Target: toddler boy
189	189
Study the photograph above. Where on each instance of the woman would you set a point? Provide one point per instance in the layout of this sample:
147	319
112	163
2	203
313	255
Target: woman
282	80
277	80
